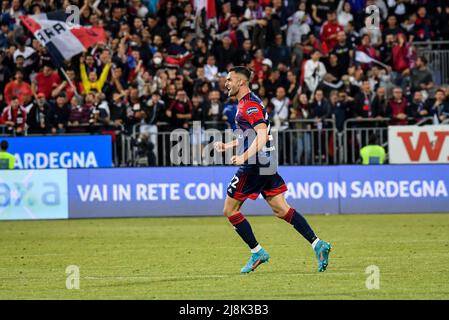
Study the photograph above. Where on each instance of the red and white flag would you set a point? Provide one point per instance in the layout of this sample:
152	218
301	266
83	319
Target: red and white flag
63	40
209	5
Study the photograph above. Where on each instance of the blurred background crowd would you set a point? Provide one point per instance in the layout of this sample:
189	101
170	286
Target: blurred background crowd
165	65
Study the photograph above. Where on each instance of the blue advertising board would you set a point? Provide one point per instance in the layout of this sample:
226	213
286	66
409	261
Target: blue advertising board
53	152
193	191
201	191
33	194
394	189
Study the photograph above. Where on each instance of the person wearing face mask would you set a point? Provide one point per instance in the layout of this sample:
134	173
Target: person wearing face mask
156	62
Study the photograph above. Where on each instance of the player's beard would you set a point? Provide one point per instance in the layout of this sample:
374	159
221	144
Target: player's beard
232	92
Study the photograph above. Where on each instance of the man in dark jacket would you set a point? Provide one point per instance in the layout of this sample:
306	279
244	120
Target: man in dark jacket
58	116
37	118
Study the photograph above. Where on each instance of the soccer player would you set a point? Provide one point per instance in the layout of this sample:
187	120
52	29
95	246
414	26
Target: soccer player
254	177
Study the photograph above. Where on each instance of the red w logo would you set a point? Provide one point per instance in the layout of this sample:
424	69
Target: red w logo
433	149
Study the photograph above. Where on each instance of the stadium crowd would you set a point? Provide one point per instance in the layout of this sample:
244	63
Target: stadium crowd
165	64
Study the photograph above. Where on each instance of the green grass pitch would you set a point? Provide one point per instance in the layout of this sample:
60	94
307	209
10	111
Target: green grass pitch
200	258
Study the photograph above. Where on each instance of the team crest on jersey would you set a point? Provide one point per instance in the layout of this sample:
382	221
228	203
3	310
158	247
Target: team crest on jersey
251	110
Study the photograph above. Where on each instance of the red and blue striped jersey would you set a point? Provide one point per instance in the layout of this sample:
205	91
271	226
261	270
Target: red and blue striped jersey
250	113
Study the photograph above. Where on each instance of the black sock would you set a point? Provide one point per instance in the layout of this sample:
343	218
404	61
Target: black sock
300	224
244	230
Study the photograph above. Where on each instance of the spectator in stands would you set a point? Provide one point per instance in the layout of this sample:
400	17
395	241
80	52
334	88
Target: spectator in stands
155	109
329	30
45	81
349	88
198	108
58	116
335	68
364	102
37	118
439	107
320	108
180	111
79	115
66	87
18	88
5	35
320	8
225	53
367	48
386	49
118	109
213	109
299	114
398	108
266	29
90	80
210	69
344	52
420	76
272	83
244	54
281	105
392	27
380	103
344	13
292	84
314	71
299	26
402	60
341	108
423	25
135	112
278	53
99	114
418	107
14	116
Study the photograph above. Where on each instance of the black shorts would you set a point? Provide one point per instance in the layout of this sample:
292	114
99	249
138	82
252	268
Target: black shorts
246	185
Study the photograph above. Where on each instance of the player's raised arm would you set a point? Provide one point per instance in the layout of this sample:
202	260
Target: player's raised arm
222	147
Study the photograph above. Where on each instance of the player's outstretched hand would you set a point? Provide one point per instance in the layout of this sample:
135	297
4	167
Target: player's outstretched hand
219	146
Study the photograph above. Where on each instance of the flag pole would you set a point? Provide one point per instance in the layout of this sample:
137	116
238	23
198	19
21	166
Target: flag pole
380	63
69	81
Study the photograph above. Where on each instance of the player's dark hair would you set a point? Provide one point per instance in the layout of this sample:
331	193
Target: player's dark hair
242	70
4	145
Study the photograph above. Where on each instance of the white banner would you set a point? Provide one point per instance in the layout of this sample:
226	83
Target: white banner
413	144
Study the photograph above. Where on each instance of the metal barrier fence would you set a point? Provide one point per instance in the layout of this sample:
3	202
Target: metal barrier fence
302	142
357	133
437	55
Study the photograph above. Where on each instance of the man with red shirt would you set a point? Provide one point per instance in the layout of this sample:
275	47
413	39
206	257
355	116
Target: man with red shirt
15	116
329	30
46	81
17	88
397	108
